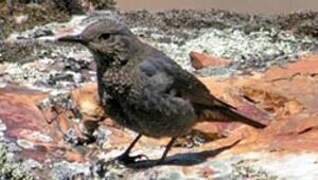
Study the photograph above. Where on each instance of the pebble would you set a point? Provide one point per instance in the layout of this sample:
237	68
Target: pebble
31	164
3	127
25	144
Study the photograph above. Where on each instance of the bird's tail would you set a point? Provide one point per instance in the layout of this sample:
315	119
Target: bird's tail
223	114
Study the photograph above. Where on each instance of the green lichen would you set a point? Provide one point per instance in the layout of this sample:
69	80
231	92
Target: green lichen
10	170
244	171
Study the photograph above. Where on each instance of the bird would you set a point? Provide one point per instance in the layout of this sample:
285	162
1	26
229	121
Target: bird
144	90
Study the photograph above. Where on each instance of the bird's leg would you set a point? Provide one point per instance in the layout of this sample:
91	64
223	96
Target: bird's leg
125	158
127	151
168	147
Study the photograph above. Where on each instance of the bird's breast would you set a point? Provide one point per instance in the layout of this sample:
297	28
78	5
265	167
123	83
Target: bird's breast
116	82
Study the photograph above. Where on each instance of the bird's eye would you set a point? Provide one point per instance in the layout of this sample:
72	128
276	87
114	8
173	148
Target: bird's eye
104	36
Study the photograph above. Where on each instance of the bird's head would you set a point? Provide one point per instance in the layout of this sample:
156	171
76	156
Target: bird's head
108	39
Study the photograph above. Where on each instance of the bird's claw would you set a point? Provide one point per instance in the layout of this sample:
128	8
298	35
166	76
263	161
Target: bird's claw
126	159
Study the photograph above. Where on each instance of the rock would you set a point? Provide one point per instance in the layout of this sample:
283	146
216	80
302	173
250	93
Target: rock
214	150
202	60
292	113
63	130
21	19
73	156
86	99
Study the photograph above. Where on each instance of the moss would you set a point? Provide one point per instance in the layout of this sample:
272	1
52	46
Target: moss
9	170
103	4
43	13
69	6
37	15
18	52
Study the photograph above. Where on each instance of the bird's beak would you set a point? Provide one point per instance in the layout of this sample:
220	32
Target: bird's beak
72	39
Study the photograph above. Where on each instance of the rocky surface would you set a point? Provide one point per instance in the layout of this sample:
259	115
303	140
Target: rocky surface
252	42
51	123
58	135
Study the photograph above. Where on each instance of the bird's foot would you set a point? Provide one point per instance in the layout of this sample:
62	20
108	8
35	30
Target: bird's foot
126	159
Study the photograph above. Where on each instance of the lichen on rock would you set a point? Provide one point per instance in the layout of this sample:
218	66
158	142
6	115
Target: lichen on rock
11	170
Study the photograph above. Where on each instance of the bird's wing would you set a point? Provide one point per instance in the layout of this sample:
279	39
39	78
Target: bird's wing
173	78
186	84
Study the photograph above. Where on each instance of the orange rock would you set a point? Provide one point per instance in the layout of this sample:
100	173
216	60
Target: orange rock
86	99
18	111
289	95
199	60
307	65
24	120
63	123
74	156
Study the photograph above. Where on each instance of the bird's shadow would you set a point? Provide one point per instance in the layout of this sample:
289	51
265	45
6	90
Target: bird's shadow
184	159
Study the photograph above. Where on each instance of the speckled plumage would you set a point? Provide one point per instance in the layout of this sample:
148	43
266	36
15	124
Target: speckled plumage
144	90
